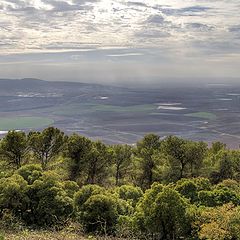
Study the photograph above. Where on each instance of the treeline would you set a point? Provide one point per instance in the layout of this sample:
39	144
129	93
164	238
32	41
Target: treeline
168	188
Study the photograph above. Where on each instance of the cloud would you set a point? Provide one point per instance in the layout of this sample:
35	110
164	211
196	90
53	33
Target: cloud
126	55
186	11
118	30
199	27
156	19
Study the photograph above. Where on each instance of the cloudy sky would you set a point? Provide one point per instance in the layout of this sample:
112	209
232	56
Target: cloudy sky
119	40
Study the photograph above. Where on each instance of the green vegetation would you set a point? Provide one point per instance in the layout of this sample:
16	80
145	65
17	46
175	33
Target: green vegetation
204	115
54	186
88	108
24	122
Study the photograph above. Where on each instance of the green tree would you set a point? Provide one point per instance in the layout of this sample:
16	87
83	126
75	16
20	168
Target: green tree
97	163
187	188
166	218
185	157
14	148
145	151
77	150
46	144
122	157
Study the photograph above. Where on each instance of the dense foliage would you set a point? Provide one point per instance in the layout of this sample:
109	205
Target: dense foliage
168	188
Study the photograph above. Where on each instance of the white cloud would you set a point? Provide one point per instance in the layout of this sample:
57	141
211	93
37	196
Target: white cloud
187	31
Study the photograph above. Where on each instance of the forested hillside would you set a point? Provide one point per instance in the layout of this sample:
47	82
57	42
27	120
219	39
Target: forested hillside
168	188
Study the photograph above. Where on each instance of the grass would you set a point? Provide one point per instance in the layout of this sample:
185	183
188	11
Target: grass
204	115
24	123
48	235
43	235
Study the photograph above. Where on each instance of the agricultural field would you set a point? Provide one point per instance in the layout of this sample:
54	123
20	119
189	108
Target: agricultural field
122	115
24	123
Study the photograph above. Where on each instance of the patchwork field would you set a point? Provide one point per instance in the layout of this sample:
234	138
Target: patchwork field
121	115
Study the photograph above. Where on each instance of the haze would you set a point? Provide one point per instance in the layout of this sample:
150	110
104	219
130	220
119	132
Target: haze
121	41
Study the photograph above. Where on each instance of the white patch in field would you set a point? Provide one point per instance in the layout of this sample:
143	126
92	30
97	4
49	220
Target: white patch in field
104	98
170	108
224	99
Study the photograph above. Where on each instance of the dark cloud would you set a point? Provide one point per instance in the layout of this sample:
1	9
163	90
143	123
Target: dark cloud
156	19
187	11
139	4
235	29
199	27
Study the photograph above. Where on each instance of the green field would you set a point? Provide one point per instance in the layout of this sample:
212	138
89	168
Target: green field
88	108
204	115
24	123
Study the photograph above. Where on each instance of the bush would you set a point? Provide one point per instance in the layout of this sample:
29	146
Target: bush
188	189
49	202
84	194
218	197
30	172
100	214
13	194
70	187
220	223
129	193
167	218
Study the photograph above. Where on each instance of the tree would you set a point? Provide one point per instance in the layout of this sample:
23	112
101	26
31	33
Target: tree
163	214
14	147
217	147
146	149
195	153
77	150
122	155
46	144
187	188
97	162
183	155
225	167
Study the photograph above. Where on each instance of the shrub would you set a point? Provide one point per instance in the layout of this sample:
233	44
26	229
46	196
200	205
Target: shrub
84	194
218	197
30	172
13	194
70	187
166	217
188	189
220	223
129	193
99	214
49	202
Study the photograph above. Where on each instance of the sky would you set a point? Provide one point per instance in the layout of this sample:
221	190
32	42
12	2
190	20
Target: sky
120	41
